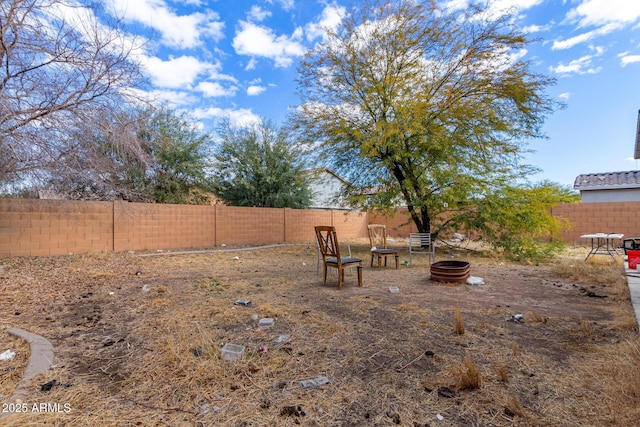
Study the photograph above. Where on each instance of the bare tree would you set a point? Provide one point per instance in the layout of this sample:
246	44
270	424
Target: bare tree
56	60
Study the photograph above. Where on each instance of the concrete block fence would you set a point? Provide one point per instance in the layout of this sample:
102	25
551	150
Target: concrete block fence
32	227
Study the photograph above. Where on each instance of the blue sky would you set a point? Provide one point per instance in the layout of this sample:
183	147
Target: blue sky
238	59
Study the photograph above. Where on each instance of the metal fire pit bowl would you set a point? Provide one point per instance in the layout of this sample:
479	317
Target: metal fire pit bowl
450	271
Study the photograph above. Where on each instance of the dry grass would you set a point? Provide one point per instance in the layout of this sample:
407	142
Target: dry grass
458	327
468	376
152	357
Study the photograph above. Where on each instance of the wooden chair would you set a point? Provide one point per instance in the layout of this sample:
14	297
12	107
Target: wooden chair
421	243
378	240
330	250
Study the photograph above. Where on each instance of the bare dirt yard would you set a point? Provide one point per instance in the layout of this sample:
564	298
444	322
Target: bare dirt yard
138	341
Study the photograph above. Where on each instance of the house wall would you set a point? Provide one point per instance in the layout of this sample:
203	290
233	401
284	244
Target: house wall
325	187
611	195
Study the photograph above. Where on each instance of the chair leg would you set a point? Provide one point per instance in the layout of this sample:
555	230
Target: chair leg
340	277
372	259
359	275
380	261
325	274
397	261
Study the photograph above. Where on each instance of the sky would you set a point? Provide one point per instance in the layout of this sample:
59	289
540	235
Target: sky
238	59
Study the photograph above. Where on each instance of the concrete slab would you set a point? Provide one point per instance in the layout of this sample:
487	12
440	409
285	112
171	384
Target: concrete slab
633	281
40	360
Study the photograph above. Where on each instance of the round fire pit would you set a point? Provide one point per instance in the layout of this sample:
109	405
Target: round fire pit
450	271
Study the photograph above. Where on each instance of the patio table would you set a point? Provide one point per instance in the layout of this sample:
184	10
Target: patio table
602	244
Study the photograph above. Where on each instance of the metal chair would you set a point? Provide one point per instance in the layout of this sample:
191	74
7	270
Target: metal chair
421	243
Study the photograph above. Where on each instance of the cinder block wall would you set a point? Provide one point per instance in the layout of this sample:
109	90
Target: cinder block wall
589	218
54	227
57	227
142	226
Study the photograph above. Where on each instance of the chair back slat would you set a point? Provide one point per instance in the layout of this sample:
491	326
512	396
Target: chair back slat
420	240
377	235
328	241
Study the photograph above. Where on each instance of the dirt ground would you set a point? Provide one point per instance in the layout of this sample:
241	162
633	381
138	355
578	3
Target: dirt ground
138	339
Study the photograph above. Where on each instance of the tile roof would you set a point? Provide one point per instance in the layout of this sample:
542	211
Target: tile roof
607	180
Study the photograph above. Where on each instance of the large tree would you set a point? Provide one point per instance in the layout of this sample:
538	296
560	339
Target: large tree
56	61
259	165
429	106
136	154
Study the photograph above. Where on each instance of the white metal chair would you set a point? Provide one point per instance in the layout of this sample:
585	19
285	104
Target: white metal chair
421	243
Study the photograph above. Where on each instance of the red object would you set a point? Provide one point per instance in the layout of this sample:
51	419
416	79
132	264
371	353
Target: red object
634	259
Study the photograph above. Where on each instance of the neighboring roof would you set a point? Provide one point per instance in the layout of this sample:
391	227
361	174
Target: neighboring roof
637	153
607	180
318	171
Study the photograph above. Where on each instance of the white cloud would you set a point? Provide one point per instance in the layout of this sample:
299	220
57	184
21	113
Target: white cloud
257	14
180	72
498	6
584	37
241	117
330	18
564	96
255	40
180	31
285	4
629	59
251	65
215	89
493	7
604	12
583	65
254	90
173	97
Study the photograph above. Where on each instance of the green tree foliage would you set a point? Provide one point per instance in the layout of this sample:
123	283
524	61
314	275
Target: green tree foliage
181	153
517	219
258	165
431	107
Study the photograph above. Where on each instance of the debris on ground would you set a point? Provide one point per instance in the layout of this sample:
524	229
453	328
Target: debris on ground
49	385
281	339
394	289
446	392
293	411
265	322
7	355
313	383
243	302
231	352
518	318
474	280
